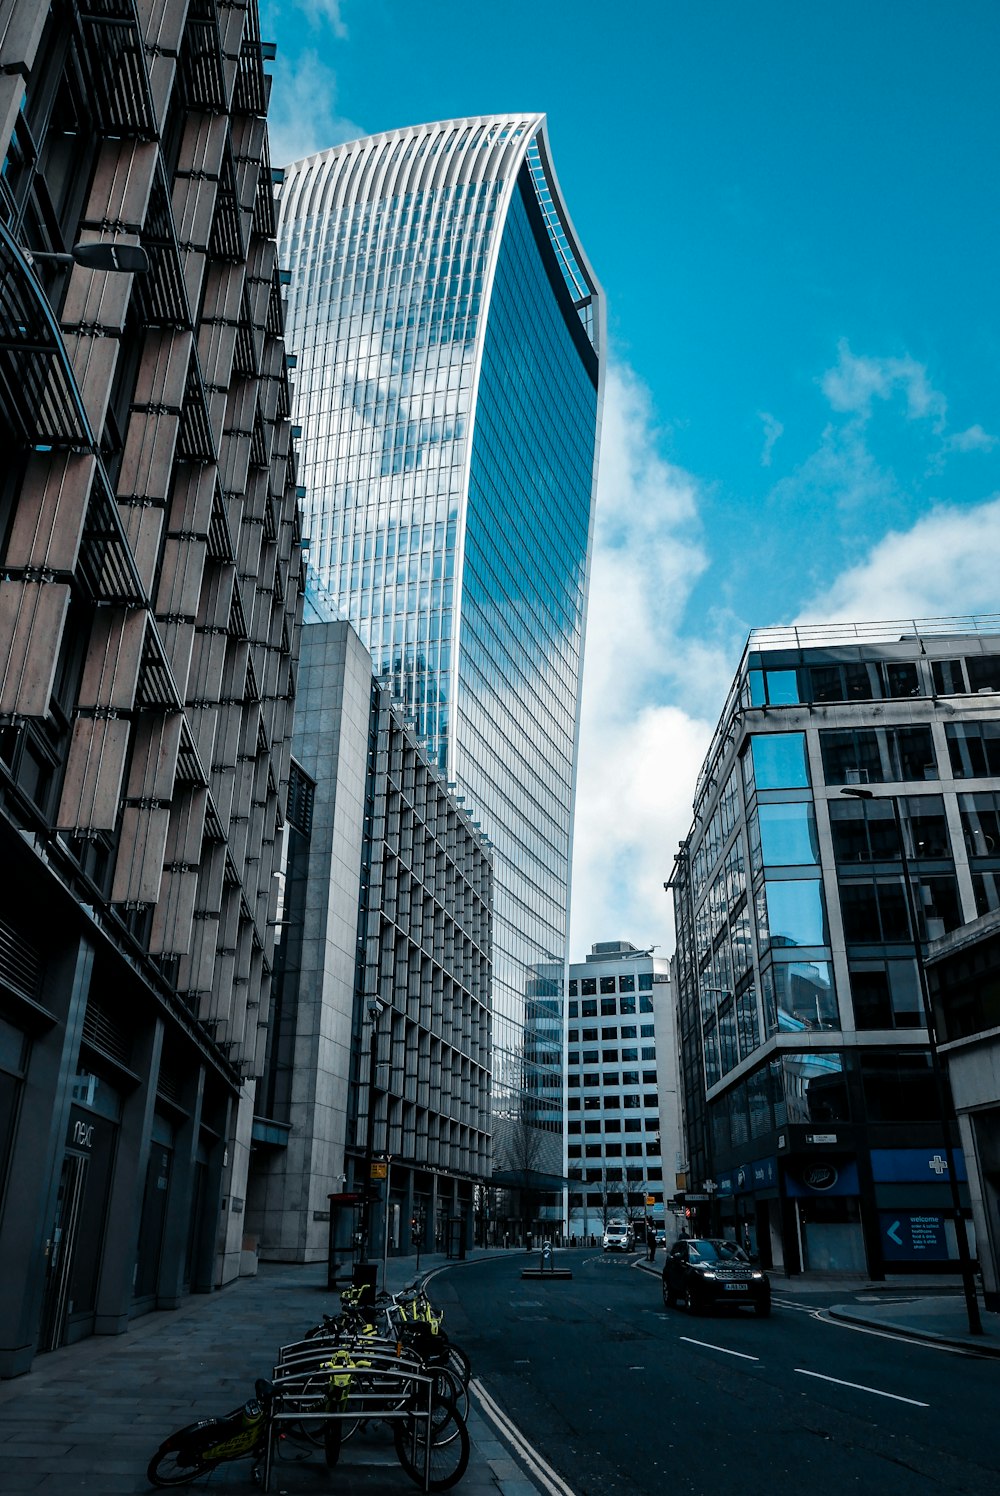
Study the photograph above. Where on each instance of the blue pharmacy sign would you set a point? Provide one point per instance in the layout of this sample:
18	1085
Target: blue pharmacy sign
913	1236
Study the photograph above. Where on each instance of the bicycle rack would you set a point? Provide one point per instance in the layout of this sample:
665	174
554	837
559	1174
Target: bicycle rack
386	1382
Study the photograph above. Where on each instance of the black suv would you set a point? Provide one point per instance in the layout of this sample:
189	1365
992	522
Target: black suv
704	1271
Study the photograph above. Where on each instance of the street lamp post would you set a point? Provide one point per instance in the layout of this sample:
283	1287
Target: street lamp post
937	1069
374	1014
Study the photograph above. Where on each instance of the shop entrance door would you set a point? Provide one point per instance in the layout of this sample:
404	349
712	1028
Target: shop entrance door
61	1247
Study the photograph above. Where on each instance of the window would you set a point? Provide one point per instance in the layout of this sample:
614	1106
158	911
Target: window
628	1031
645	981
803	992
899	678
646	1030
572	1102
588	987
886	994
573	1128
607	984
589	1035
573	1036
848	682
609	1031
788	835
611	1078
874	910
588	1007
981	824
633	1150
574	1150
590	1056
652	1124
984	672
815	1087
627	1004
645	1003
572	1010
626	984
949	678
613	1150
794	913
593	1150
649	1051
899	1088
630	1054
609	1056
591	1082
573	1057
630	1103
778	761
851	756
782	687
630	1077
974	749
613	1124
633	1124
592	1103
573	987
607	1007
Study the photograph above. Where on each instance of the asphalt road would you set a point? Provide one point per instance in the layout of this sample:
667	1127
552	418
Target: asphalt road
624	1398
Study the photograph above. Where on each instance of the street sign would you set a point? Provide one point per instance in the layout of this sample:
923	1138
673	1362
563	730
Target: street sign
379	1170
689	1198
650	1199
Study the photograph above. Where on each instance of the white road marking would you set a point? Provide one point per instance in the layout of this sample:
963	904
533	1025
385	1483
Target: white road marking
860	1387
710	1347
540	1469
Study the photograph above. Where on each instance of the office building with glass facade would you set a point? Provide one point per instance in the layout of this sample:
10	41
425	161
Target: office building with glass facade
623	1137
448	333
809	1098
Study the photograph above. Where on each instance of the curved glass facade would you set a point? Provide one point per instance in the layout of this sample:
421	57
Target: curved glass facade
447	331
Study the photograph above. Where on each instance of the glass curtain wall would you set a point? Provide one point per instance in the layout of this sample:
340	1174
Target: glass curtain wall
447	386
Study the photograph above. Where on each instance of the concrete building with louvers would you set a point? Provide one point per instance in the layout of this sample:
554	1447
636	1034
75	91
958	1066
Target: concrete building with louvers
149	610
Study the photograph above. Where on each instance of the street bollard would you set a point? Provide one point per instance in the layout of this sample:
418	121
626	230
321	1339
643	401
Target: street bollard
547	1256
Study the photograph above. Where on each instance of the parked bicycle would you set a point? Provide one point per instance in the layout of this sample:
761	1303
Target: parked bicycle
200	1447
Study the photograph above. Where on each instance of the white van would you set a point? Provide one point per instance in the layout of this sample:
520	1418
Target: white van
619	1237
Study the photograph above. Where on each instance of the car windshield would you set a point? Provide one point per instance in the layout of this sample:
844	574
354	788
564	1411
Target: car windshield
715	1251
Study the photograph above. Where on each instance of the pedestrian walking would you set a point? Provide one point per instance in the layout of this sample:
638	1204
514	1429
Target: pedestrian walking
650	1242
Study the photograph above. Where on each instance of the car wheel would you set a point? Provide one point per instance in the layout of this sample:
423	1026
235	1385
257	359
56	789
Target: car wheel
669	1297
692	1303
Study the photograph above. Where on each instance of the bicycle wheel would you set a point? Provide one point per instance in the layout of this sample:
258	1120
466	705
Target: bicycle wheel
449	1396
171	1466
449	1450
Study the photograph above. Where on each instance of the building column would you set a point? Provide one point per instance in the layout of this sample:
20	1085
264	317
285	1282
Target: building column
113	1305
36	1159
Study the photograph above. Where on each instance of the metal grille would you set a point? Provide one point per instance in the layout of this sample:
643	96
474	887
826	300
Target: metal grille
195	441
301	793
104	1032
161	295
106	566
202	79
220	539
114	61
250	96
39	401
226	239
20	963
156	682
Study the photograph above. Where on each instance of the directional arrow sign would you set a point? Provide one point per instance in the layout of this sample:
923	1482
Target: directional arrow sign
892	1232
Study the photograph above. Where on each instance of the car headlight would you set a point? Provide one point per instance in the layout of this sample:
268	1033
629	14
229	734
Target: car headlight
706	1272
756	1275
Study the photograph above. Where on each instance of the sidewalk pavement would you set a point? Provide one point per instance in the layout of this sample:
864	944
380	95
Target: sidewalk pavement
932	1309
89	1416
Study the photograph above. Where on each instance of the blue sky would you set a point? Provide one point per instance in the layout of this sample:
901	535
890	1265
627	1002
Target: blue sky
793	212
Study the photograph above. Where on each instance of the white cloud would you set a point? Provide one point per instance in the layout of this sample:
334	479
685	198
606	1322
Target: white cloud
842	472
324	12
638	758
773	429
975	439
945	565
856	382
303	115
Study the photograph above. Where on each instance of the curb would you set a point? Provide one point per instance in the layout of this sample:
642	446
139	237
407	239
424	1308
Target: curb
971	1345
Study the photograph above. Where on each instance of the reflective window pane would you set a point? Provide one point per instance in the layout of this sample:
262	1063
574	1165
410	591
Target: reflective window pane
779	761
788	835
795	912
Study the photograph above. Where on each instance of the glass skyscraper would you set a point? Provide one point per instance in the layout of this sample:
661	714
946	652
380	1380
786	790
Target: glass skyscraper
448	331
